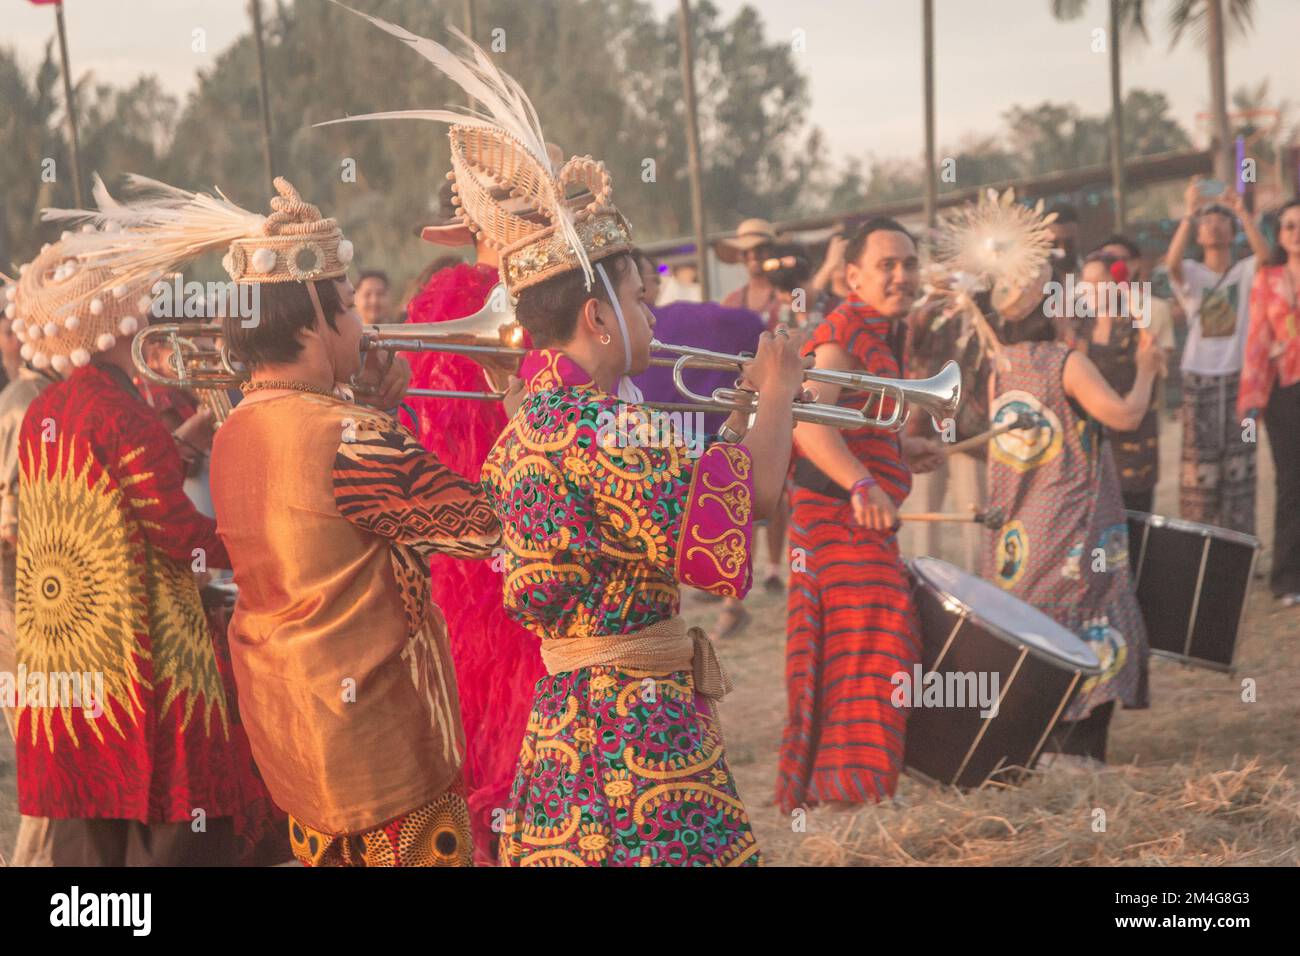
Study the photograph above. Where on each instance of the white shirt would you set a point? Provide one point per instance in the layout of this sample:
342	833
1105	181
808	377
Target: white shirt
1218	314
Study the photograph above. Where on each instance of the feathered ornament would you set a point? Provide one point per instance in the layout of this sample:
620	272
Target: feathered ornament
506	111
994	242
997	239
179	225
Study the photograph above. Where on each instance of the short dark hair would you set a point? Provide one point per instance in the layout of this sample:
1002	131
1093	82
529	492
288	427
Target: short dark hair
379	274
283	309
1134	251
549	310
859	236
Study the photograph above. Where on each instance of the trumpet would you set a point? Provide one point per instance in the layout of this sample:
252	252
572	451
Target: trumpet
938	395
198	360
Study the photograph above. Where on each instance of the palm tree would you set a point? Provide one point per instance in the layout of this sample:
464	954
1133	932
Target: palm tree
1125	16
1206	17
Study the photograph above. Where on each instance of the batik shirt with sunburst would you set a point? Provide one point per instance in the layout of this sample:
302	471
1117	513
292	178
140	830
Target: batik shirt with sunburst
108	548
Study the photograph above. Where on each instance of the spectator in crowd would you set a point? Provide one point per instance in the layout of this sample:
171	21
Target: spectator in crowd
374	301
1065	237
1217	483
1108	332
1270	384
751	246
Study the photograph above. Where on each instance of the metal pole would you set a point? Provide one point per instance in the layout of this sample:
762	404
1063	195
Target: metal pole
263	95
931	160
1116	122
71	104
693	146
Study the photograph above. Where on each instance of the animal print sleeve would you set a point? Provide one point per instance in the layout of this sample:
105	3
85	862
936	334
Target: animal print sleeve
386	483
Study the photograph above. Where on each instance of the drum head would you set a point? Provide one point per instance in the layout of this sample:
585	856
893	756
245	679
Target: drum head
1017	621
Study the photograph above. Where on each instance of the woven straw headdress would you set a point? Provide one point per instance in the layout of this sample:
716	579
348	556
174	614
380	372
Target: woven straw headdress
503	149
163	228
63	311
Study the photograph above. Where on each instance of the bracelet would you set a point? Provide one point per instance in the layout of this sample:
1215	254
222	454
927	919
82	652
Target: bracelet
728	434
862	486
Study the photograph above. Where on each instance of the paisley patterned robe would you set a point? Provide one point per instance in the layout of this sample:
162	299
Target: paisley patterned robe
601	522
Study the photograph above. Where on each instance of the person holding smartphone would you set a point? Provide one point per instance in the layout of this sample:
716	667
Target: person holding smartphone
1217	481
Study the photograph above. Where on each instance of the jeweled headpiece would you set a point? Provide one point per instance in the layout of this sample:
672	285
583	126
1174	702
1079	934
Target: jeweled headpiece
568	221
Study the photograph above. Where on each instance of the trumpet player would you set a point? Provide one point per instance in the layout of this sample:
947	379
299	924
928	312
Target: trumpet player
851	624
622	763
329	510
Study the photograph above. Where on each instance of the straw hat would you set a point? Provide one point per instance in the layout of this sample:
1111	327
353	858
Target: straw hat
750	234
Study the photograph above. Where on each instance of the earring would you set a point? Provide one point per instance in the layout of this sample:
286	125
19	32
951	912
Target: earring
605	339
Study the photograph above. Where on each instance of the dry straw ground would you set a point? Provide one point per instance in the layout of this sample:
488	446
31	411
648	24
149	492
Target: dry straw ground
1202	778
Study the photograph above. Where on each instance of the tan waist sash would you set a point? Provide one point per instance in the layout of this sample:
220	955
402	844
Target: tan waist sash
662	647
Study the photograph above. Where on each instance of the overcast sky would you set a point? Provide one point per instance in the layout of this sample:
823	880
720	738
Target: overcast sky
862	59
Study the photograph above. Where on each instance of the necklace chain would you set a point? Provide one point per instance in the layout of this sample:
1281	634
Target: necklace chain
260	384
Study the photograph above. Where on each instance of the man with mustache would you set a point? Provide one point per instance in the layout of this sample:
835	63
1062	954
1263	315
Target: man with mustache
851	624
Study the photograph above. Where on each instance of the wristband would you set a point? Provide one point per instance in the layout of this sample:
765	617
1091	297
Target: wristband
862	486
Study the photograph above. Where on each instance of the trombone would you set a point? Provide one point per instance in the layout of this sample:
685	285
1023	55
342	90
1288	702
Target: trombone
197	359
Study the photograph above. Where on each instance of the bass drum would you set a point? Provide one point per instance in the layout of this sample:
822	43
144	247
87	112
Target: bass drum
975	635
1192	583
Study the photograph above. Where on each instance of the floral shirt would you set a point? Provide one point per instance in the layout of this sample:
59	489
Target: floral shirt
1273	342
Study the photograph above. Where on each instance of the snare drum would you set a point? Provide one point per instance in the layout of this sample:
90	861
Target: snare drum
970	626
1192	582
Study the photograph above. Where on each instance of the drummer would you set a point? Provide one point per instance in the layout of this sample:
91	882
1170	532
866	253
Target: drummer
1064	547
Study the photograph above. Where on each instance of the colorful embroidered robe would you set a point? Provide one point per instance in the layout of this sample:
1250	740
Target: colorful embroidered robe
601	523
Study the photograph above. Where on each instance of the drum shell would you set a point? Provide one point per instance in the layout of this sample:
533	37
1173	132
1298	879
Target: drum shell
956	745
1192	583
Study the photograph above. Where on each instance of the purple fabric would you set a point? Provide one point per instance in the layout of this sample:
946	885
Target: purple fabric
705	325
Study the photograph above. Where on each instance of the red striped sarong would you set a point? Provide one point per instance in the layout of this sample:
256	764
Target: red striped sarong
851	626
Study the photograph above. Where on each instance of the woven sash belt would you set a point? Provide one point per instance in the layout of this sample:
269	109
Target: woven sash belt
663	647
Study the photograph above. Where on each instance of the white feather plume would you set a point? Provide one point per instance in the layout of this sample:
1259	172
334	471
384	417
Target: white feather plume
996	239
157	230
506	108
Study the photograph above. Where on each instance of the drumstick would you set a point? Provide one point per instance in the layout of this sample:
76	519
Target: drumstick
1020	421
993	518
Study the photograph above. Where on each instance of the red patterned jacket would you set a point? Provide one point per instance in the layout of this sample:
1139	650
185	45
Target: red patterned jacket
107	549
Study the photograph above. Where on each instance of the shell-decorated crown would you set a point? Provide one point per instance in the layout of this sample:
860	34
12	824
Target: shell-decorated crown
294	244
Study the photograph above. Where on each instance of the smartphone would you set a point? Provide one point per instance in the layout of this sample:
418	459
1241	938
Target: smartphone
1211	187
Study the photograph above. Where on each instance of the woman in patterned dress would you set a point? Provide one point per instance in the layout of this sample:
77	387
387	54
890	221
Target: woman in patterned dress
623	763
1064	547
